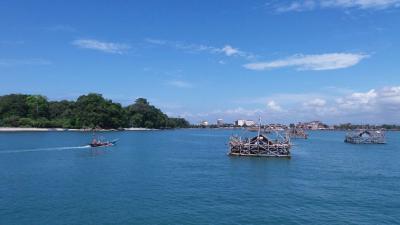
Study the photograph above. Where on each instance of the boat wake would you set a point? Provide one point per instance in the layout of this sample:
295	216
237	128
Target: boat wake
44	149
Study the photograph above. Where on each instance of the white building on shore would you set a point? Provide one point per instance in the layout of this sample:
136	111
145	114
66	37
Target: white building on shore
240	123
248	123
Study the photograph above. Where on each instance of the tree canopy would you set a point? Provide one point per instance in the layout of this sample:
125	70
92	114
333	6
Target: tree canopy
88	111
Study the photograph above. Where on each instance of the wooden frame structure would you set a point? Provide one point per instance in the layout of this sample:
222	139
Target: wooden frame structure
259	146
296	132
366	137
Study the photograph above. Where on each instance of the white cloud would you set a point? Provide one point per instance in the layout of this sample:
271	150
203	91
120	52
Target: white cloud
241	111
297	6
363	4
315	103
183	46
231	51
359	101
390	96
386	99
17	62
227	50
329	61
307	5
272	105
108	47
180	84
368	107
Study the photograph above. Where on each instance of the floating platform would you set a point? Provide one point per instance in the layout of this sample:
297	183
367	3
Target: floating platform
296	132
366	137
259	146
259	155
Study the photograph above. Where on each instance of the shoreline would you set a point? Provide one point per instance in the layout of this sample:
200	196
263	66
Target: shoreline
34	129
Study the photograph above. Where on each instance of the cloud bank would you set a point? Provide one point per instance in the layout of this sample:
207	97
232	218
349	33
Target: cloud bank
372	106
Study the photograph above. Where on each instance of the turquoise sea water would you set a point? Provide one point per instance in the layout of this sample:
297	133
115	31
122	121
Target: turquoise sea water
185	177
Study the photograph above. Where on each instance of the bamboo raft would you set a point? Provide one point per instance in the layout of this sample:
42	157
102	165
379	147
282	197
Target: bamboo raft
296	132
259	146
366	137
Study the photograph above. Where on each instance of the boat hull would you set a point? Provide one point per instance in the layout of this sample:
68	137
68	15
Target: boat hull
103	144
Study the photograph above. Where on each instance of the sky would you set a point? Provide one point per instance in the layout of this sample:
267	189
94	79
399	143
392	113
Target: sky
287	61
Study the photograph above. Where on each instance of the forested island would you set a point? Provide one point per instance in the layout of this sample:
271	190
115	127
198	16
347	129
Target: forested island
87	112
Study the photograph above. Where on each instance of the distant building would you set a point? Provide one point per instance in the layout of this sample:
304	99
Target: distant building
240	123
313	125
220	122
248	123
204	123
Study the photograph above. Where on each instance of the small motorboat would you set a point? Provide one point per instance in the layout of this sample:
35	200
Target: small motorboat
98	143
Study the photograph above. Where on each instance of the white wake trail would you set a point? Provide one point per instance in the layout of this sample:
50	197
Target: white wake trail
44	149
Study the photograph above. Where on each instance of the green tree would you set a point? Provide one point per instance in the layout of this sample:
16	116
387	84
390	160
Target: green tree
142	114
13	105
93	110
38	106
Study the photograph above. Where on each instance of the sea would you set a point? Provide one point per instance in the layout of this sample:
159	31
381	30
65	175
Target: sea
185	176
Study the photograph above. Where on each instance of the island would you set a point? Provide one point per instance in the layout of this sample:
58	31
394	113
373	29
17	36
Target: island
87	112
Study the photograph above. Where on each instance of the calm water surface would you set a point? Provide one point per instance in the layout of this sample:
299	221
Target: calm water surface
185	177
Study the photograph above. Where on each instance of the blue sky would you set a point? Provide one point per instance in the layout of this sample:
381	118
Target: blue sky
288	61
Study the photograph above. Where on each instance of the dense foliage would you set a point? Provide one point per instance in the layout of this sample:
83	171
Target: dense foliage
349	126
88	111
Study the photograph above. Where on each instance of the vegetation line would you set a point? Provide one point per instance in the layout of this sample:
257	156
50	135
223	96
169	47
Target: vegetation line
87	112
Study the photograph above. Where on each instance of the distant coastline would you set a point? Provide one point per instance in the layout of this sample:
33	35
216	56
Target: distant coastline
35	129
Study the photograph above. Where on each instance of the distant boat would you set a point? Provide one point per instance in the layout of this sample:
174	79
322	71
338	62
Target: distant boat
98	143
